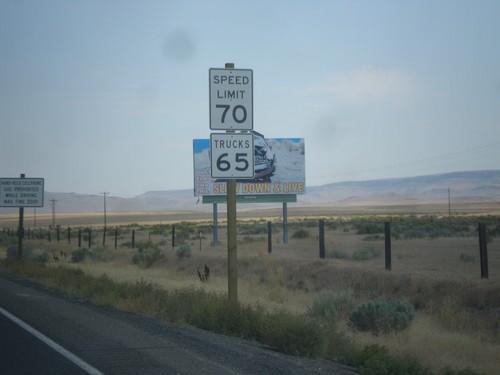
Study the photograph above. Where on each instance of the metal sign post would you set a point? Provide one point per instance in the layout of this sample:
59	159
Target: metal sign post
20	230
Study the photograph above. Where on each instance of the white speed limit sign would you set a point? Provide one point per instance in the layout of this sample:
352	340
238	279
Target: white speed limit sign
232	155
231	99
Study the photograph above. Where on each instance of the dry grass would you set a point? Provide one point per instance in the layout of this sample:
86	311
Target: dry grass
436	347
458	313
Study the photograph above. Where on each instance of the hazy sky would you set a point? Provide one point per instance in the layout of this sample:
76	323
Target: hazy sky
108	95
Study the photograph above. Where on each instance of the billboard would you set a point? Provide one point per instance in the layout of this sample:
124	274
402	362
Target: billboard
279	168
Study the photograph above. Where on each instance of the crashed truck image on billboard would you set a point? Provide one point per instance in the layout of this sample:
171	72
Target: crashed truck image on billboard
279	168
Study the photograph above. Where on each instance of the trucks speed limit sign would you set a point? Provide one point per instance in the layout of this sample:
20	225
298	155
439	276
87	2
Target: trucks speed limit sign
231	99
232	155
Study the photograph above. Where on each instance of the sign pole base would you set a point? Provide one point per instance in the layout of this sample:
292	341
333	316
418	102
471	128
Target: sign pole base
232	242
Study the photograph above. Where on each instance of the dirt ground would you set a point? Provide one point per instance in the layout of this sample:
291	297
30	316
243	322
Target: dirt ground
268	212
288	276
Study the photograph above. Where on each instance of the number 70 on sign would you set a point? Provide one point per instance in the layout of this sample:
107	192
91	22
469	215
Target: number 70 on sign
231	99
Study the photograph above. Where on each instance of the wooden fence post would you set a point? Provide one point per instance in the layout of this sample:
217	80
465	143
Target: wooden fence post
80	237
173	235
388	259
269	237
483	251
133	238
322	239
285	223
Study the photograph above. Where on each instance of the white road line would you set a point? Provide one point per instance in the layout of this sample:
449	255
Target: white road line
58	348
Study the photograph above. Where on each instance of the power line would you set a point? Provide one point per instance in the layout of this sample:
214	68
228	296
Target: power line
105	193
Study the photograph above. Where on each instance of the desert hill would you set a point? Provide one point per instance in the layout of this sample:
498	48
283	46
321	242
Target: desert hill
472	186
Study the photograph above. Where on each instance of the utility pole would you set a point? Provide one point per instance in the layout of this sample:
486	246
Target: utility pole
53	204
449	204
105	193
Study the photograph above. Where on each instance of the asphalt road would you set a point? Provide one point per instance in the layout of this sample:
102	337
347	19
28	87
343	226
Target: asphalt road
115	342
23	353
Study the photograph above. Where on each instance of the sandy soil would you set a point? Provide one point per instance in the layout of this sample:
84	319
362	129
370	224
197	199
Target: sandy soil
270	212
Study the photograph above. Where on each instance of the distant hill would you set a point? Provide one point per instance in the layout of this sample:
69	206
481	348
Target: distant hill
474	186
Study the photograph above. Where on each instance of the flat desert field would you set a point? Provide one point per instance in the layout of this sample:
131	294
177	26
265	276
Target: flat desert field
32	219
435	265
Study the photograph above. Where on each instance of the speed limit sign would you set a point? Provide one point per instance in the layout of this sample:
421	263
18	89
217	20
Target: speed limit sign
232	155
231	99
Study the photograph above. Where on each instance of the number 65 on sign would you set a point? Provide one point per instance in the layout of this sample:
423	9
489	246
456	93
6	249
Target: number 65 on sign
232	155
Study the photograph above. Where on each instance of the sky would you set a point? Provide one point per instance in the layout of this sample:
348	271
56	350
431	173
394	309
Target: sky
108	95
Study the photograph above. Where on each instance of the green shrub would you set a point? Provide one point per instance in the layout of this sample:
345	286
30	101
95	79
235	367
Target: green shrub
160	229
467	371
11	252
183	251
97	255
216	313
252	229
382	316
337	254
369	227
7	240
41	258
331	225
367	253
376	360
100	254
27	252
293	334
300	233
248	239
183	232
79	255
373	237
331	305
145	257
464	258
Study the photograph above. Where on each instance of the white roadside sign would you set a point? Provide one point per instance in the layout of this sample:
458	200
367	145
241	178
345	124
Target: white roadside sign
231	99
21	192
232	155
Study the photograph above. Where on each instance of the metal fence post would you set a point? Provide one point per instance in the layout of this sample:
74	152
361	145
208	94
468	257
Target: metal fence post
322	239
388	259
269	237
483	251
